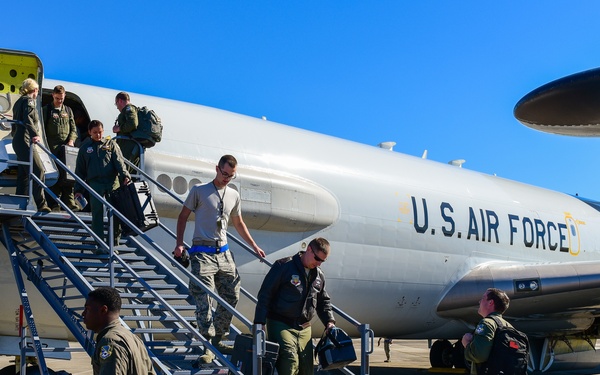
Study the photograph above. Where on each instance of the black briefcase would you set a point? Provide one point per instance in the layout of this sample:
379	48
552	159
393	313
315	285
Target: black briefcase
242	355
135	202
335	350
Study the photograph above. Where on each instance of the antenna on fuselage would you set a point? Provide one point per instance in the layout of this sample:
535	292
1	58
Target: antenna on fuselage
457	162
387	145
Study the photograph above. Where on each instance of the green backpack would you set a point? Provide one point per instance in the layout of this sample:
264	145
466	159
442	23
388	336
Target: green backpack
149	129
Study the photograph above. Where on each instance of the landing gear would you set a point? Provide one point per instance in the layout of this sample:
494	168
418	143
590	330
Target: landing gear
440	354
445	355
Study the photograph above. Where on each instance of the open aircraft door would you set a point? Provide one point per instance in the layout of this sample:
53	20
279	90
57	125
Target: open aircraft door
15	67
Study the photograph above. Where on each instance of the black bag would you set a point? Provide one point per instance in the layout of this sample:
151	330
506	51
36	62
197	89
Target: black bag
335	349
135	203
149	129
242	355
509	354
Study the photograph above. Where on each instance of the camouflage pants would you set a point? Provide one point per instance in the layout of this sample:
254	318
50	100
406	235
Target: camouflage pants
218	272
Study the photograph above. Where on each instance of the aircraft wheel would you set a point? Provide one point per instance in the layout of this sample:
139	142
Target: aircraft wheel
440	354
458	356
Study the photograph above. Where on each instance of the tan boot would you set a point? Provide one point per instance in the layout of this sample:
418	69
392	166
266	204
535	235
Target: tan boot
207	357
223	348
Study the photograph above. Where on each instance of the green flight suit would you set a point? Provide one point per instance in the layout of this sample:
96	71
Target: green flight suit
128	122
60	127
478	350
25	111
99	164
120	352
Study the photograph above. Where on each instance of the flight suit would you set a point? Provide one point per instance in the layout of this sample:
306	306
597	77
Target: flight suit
120	352
25	111
478	350
59	124
287	301
99	164
128	122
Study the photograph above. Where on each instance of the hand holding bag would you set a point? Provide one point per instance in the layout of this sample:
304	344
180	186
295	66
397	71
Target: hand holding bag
335	349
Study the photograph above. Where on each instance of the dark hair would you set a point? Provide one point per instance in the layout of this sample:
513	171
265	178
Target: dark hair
59	89
321	244
229	159
95	123
123	96
501	300
107	296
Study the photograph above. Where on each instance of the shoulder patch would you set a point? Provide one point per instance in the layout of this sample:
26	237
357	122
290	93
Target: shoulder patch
106	351
295	280
480	328
89	150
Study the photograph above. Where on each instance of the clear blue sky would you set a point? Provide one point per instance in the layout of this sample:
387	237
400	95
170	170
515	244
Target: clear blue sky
437	75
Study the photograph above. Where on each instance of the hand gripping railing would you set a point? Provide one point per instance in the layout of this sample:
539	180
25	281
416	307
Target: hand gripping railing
367	335
259	347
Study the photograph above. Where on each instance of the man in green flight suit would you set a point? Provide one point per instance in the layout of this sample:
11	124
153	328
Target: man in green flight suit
59	124
118	351
100	164
126	123
478	344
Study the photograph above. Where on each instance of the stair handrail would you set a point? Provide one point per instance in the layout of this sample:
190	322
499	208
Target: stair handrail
367	335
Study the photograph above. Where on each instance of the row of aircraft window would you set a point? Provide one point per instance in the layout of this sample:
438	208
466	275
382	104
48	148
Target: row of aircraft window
179	184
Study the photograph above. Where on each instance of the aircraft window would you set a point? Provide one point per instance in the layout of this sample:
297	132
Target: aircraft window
194	181
180	185
165	180
594	204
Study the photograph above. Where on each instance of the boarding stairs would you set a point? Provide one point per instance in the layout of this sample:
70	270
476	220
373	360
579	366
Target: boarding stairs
65	260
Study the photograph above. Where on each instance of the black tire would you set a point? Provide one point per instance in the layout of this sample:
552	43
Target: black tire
458	356
440	354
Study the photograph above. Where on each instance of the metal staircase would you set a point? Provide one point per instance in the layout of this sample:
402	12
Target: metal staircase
58	256
65	260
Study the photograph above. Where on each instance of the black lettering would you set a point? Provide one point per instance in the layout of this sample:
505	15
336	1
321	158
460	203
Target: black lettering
447	218
473	229
482	225
513	229
561	235
527	223
551	245
540	232
420	228
492	225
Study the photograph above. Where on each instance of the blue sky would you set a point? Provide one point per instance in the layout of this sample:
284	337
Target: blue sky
437	75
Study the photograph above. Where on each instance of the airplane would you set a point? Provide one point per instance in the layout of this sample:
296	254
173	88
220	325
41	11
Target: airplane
415	242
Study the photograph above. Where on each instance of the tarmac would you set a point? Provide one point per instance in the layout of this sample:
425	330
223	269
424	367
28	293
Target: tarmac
408	357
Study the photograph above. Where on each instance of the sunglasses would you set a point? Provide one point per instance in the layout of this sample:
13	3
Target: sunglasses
315	256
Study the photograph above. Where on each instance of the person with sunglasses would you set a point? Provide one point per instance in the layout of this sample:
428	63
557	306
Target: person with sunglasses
214	206
292	293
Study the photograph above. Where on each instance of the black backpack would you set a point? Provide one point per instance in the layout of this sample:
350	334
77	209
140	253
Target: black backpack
149	129
509	354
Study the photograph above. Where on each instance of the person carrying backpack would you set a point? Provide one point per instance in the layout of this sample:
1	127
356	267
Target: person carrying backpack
125	125
495	347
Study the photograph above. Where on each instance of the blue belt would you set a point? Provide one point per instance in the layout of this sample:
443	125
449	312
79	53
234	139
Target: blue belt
208	249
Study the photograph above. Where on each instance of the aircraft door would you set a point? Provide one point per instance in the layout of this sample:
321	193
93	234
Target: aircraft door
15	67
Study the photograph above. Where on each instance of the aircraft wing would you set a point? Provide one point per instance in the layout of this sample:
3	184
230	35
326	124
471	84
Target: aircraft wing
545	297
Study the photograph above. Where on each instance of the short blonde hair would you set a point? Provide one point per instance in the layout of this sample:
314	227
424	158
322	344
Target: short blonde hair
28	86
